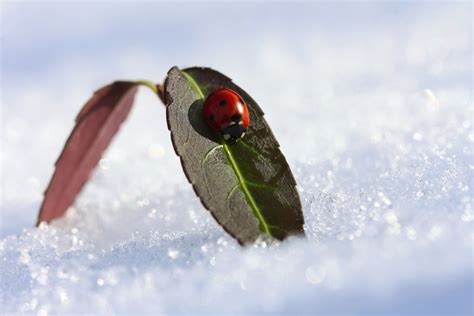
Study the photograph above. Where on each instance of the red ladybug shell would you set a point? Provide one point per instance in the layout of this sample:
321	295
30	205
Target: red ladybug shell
225	111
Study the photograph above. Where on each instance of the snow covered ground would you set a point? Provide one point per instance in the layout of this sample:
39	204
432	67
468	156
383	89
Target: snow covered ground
372	105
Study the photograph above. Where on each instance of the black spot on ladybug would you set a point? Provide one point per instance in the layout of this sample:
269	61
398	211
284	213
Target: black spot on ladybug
236	118
211	117
223	103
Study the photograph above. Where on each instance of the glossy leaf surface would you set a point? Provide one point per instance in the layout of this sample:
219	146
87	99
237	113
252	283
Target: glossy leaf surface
247	185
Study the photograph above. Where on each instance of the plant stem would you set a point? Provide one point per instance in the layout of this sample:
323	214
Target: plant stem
156	88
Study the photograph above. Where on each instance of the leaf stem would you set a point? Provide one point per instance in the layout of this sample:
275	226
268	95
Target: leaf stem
148	84
156	88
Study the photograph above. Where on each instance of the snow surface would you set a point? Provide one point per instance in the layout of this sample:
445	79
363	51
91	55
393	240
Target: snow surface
375	117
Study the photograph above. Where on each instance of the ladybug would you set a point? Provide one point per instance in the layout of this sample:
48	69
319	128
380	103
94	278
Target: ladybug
226	112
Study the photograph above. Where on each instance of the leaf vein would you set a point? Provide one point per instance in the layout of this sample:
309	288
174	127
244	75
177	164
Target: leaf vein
262	186
246	191
253	205
208	154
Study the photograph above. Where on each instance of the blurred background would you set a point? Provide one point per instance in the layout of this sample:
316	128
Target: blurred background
370	101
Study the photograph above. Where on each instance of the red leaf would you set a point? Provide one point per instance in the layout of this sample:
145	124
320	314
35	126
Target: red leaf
96	124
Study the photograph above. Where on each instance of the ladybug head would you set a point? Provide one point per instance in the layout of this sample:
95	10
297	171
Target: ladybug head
234	132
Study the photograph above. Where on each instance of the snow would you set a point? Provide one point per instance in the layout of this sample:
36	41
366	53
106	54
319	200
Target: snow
379	134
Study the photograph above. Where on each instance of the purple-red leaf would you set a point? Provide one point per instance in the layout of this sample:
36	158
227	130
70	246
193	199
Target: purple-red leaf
96	124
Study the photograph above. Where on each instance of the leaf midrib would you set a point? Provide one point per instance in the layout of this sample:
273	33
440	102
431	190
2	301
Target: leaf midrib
235	167
245	190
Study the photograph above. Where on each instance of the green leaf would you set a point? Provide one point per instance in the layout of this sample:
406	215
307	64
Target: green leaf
247	185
